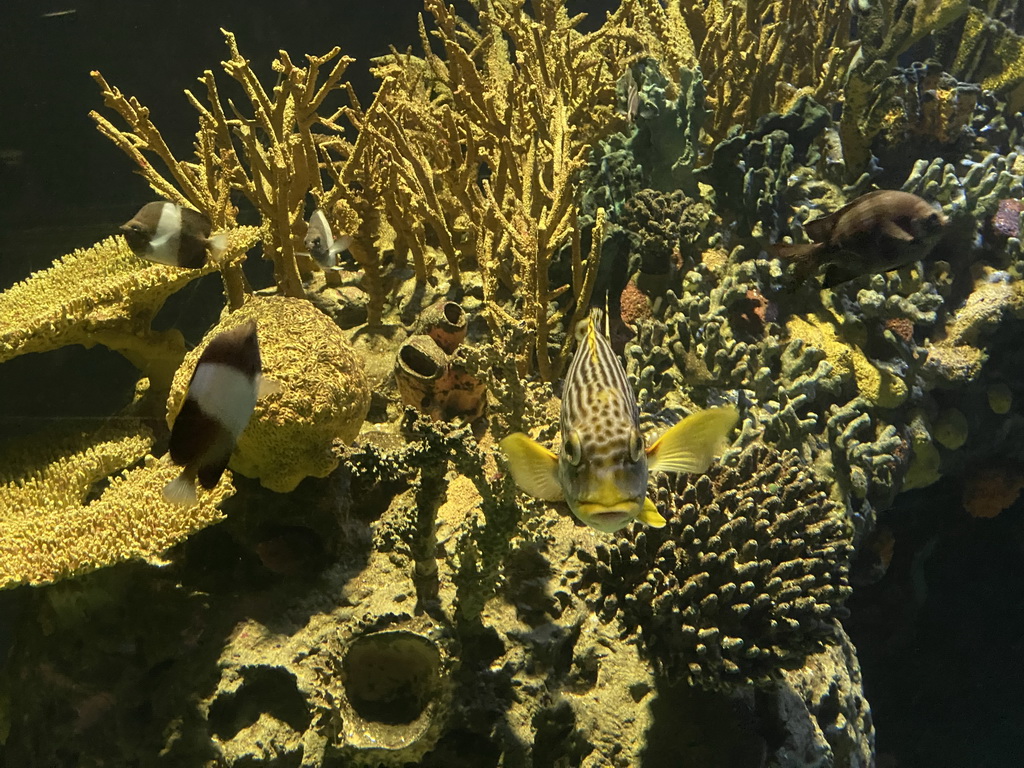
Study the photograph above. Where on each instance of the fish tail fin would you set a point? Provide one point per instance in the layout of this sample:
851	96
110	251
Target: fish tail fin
267	386
341	244
181	490
218	246
693	443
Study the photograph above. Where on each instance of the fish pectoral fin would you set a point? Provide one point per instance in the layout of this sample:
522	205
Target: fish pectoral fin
693	443
891	229
650	515
534	467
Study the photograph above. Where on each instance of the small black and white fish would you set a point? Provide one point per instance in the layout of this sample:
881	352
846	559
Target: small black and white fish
603	465
629	95
320	242
218	403
168	233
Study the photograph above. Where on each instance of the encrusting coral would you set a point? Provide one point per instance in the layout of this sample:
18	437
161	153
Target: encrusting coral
324	394
50	528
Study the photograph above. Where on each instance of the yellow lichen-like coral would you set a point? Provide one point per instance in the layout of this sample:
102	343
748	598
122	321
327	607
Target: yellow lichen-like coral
876	385
323	399
756	57
518	102
100	295
993	54
960	354
49	532
271	157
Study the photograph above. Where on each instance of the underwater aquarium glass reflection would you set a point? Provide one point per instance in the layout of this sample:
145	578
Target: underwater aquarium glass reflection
512	383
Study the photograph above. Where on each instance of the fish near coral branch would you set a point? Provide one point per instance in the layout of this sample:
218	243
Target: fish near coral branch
146	136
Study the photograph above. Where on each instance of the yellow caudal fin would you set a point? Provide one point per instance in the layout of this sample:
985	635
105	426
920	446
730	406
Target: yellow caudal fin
693	443
534	467
650	515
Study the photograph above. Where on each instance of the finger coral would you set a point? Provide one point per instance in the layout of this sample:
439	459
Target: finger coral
52	531
324	393
745	580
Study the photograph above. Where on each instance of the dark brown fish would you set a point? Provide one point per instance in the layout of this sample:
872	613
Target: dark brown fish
220	399
879	231
171	234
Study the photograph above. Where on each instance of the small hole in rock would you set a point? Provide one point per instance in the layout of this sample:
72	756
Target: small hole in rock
390	677
453	313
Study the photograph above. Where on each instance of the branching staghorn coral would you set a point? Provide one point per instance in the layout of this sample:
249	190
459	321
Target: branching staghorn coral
756	57
518	102
271	157
886	30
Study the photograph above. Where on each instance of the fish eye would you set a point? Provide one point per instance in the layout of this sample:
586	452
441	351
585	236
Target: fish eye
573	449
636	445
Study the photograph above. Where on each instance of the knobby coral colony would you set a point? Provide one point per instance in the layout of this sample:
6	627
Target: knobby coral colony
521	170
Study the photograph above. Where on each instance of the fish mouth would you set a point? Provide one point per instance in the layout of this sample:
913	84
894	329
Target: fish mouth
607	518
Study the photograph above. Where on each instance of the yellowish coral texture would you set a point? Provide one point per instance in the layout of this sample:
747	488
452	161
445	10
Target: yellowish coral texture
755	57
877	385
48	531
101	295
323	397
86	297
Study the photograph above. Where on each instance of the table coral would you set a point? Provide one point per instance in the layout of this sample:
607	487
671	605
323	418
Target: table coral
51	531
100	295
323	400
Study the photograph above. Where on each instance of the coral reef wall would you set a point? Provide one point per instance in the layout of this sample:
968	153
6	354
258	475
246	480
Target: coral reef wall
366	585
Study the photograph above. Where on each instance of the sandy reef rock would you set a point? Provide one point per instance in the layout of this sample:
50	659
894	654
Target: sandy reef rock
324	394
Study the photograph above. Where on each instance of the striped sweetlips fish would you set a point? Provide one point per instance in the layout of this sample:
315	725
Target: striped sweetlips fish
603	465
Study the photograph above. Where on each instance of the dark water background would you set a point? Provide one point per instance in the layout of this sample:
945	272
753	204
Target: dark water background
940	637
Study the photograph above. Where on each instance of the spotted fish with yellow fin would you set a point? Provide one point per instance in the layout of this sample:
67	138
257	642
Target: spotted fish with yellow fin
602	467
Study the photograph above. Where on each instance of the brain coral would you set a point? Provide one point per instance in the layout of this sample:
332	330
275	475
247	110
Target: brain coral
745	579
324	393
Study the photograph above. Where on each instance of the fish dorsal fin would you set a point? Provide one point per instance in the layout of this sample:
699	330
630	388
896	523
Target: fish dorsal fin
534	467
693	443
820	229
650	515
